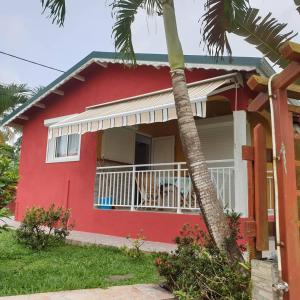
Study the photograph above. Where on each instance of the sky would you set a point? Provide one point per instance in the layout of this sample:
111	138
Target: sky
25	32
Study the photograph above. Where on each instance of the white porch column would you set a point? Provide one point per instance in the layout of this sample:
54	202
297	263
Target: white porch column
240	166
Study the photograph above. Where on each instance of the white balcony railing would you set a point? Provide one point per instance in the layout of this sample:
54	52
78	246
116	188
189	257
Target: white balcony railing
159	186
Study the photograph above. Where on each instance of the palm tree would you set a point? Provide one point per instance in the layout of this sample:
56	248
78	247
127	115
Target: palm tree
11	96
221	17
211	207
236	16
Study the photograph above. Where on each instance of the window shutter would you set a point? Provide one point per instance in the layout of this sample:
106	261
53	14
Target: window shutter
217	142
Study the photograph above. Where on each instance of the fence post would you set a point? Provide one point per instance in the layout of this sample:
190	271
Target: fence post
133	188
178	188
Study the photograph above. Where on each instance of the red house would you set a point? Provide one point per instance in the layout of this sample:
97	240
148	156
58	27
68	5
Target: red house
103	141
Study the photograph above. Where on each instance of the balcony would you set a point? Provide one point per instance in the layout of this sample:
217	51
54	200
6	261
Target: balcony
159	187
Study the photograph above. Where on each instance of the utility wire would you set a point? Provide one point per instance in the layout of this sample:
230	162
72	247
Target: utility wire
30	61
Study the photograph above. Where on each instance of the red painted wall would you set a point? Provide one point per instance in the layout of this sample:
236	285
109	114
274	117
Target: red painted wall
71	184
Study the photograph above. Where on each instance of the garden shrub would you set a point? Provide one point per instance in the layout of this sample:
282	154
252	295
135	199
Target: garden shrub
4	212
8	179
42	227
198	270
134	250
8	175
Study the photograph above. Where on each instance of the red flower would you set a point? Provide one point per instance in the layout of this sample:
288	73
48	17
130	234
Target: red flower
158	261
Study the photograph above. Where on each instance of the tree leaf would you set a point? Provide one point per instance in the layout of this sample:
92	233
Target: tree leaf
266	34
217	21
57	10
12	95
124	12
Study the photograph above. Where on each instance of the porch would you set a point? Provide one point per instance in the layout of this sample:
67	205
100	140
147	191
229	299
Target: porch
142	168
160	187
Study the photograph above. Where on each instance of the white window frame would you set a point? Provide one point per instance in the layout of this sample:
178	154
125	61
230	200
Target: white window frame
51	146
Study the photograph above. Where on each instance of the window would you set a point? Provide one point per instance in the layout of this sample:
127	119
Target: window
64	148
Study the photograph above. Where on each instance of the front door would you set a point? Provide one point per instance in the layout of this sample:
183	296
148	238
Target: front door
142	149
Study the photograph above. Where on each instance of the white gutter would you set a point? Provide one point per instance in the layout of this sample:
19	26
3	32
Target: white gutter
205	66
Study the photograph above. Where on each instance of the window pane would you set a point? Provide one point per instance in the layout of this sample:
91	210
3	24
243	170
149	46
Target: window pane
61	146
73	144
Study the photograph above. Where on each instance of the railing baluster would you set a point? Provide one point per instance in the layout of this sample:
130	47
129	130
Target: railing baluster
103	186
113	189
128	189
159	195
190	193
218	188
163	187
138	188
132	188
117	189
142	190
106	184
154	188
168	188
146	191
223	187
122	198
124	189
99	190
110	187
178	188
151	187
229	184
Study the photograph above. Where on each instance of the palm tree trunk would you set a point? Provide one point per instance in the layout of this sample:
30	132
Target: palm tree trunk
206	195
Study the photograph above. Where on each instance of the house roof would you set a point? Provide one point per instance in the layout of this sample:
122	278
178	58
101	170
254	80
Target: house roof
259	65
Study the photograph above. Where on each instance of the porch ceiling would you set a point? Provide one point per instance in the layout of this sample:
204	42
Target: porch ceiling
148	108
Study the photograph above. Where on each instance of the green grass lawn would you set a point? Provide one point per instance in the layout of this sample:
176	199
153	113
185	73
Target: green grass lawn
67	267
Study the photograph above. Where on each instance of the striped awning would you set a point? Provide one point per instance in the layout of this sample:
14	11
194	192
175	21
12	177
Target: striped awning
154	107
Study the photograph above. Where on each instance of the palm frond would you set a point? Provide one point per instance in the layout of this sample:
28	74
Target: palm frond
217	21
36	90
266	34
57	10
297	3
12	95
124	12
236	16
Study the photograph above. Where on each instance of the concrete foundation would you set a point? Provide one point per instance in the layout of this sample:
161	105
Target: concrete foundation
263	275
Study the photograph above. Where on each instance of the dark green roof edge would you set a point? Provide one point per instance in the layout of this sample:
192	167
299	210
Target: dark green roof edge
193	59
258	63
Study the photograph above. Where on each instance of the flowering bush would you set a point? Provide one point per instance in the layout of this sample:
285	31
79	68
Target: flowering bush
197	270
42	227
